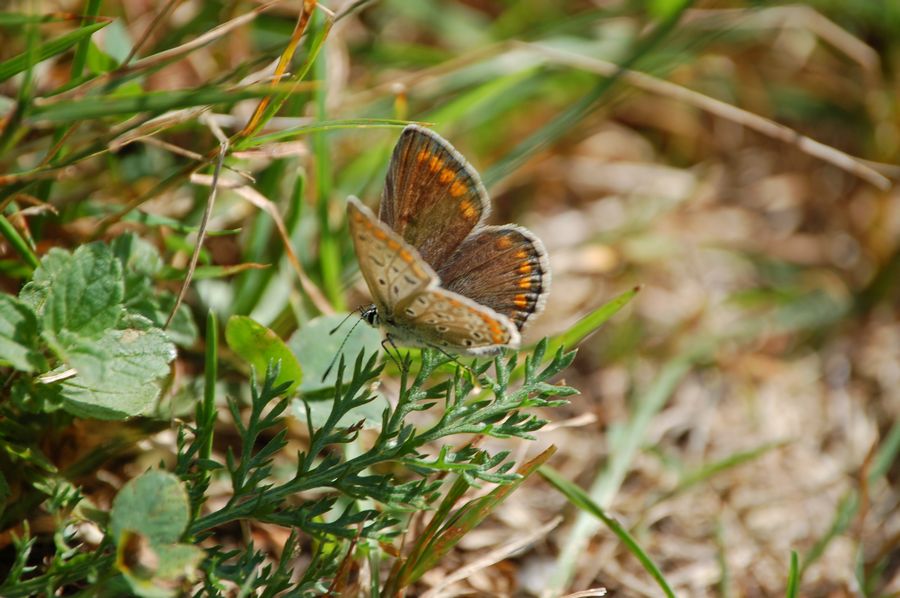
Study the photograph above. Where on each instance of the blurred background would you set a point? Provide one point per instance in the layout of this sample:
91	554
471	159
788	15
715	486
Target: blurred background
742	170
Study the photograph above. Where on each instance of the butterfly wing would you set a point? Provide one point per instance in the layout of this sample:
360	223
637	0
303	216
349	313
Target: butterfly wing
504	268
432	197
444	319
409	301
393	270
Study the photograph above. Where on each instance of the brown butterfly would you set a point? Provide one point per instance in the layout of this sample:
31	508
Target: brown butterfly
439	277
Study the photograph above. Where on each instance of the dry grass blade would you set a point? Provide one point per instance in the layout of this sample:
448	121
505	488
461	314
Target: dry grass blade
170	54
798	16
283	61
263	203
492	557
718	108
593	592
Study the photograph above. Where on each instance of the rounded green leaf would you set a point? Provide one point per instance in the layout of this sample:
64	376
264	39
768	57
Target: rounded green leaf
316	348
259	346
154	504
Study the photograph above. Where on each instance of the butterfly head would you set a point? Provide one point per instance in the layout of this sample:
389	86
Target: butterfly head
370	315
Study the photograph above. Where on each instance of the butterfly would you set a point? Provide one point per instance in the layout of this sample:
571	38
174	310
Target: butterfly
439	276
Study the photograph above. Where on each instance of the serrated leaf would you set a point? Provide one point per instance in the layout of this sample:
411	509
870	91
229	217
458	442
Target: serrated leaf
19	338
155	505
259	346
316	348
80	292
140	263
116	374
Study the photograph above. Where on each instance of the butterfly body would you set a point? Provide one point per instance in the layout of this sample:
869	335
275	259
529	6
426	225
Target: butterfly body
437	275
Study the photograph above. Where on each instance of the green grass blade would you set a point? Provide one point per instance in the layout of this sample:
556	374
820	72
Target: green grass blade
566	121
580	499
327	125
153	102
81	49
717	467
843	517
10	233
793	584
625	443
886	457
19	63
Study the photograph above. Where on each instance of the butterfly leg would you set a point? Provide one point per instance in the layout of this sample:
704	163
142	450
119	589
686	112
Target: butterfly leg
389	340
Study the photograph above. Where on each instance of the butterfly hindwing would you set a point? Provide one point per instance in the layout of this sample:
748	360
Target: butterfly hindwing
504	268
447	320
432	197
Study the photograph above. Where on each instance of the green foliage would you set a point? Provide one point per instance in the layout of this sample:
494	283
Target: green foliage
84	334
259	346
156	512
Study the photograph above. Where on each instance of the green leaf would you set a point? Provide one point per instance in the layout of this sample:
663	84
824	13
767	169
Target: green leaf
20	63
150	570
140	263
316	348
370	414
80	292
154	504
148	517
259	346
117	373
19	336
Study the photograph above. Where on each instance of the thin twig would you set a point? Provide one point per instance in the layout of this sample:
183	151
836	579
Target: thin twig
204	222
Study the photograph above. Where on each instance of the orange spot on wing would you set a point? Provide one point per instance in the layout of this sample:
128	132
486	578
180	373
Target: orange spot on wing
393	245
422	155
447	175
406	256
435	164
525	283
521	301
521	254
525	268
503	243
457	189
467	209
379	234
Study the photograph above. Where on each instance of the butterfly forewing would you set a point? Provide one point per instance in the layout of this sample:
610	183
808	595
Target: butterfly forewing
504	268
432	197
393	270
